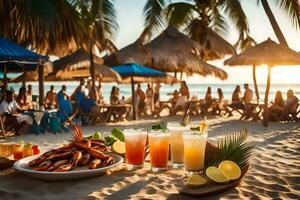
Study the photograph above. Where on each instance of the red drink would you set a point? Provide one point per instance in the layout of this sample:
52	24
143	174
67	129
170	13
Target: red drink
135	141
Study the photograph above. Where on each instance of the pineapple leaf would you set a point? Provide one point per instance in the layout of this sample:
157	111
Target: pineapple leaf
235	148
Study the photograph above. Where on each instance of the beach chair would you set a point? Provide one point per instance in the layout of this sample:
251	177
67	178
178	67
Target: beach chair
5	131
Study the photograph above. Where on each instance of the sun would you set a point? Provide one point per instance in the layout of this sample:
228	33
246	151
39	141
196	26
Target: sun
280	74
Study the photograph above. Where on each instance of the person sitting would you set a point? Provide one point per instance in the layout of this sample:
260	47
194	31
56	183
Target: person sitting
3	89
236	100
92	91
89	107
219	103
290	106
114	96
65	108
51	99
79	94
184	90
174	99
208	101
141	99
277	107
14	117
21	99
247	98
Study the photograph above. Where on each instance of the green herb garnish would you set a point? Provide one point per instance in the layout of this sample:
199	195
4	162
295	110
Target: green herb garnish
160	126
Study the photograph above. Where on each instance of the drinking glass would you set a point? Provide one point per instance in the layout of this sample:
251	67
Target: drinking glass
177	148
194	151
135	141
159	149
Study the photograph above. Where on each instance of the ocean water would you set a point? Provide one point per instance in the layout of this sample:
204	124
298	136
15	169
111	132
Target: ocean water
195	89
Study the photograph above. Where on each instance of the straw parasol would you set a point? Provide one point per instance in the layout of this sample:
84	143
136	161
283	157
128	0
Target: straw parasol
133	53
168	79
266	53
173	51
214	46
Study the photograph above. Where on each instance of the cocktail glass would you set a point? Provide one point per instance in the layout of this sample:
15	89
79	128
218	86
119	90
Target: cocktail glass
177	148
194	151
135	141
159	149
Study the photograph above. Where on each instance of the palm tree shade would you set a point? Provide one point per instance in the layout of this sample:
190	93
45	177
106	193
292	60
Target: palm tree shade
266	53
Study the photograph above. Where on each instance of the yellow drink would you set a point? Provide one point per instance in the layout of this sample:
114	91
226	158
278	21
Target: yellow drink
194	151
177	148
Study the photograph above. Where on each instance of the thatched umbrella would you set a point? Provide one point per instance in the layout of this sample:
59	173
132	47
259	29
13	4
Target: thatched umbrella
133	53
269	53
173	51
214	46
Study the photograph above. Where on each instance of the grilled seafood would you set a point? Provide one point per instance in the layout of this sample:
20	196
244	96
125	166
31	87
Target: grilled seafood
79	152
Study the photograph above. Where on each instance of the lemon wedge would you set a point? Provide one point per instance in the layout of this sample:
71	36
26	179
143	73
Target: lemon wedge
196	181
119	147
230	169
216	175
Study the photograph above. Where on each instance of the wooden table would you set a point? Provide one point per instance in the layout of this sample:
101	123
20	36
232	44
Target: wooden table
115	111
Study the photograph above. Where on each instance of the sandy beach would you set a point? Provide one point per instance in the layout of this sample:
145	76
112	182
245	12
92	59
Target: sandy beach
274	170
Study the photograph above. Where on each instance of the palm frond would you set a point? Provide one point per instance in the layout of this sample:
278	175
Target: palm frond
218	23
154	18
179	14
234	11
235	148
291	9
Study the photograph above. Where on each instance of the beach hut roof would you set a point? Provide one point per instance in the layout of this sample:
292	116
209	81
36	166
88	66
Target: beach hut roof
106	74
79	59
133	53
267	52
214	46
173	51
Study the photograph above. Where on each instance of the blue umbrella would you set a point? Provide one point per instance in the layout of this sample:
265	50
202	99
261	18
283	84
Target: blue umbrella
134	70
18	57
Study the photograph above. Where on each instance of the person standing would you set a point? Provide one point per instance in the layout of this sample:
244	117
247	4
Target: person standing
51	99
149	96
157	94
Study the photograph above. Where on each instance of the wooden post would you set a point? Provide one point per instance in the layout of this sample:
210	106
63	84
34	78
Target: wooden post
134	115
255	83
5	71
266	113
41	84
23	80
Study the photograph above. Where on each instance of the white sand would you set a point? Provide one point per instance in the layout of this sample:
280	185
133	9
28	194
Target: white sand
274	171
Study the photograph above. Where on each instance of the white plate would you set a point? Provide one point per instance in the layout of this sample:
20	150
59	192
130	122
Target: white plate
77	173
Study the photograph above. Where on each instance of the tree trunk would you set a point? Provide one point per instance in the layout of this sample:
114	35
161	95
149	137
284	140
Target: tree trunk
133	99
92	67
266	111
41	84
274	23
5	71
24	77
255	83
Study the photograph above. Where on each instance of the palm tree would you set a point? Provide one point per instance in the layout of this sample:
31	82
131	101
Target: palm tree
48	26
291	8
196	17
100	20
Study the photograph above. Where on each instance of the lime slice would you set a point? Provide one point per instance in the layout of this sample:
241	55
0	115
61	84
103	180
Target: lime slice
196	181
119	147
230	169
215	174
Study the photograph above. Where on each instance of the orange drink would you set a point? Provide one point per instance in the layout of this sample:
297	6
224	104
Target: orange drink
159	149
194	151
135	141
177	148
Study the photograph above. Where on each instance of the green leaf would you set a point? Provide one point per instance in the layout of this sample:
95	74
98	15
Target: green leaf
117	133
160	126
235	148
109	140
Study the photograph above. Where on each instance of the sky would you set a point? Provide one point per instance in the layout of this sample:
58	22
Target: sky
131	22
